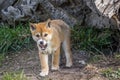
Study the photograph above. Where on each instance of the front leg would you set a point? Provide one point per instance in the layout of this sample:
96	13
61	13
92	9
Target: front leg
55	59
44	64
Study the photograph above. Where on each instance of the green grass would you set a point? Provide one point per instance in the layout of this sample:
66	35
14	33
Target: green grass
95	58
13	39
89	39
14	76
117	56
93	40
2	57
111	74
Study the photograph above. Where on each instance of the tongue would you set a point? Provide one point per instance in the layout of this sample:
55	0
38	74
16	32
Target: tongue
43	46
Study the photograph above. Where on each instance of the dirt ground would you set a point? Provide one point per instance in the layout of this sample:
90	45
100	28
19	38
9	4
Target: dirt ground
28	61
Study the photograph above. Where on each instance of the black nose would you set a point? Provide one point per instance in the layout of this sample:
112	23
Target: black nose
41	42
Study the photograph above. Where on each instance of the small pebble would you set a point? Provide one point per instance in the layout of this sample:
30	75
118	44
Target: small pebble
82	62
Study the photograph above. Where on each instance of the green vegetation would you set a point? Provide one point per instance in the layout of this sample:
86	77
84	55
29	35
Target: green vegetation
89	39
1	58
13	39
117	56
95	58
100	41
14	76
112	74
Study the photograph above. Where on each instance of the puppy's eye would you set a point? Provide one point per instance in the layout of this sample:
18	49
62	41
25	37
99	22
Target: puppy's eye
37	35
45	35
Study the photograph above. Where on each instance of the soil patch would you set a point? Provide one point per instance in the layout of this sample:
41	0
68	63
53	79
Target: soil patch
28	61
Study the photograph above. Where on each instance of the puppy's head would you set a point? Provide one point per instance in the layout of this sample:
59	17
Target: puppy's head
41	33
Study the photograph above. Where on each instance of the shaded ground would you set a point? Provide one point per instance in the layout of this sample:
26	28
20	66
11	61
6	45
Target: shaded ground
28	61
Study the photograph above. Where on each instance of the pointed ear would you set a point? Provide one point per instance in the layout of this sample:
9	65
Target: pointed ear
48	23
32	26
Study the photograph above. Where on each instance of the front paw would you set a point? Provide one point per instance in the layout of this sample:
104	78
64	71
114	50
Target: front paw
69	64
44	73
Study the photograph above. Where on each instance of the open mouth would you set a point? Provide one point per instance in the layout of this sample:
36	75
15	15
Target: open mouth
43	47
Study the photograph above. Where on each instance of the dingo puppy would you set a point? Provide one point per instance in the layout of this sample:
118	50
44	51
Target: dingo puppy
50	35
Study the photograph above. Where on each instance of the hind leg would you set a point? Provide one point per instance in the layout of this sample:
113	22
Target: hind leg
67	50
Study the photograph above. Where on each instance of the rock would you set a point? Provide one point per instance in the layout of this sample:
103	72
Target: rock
24	11
96	13
58	13
82	62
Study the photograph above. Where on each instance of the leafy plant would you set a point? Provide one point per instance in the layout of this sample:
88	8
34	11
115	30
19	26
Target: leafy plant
112	74
91	39
14	76
2	57
117	56
14	38
95	58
